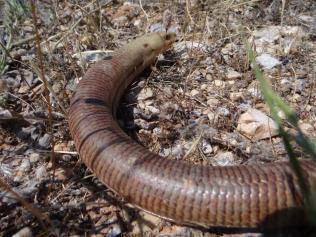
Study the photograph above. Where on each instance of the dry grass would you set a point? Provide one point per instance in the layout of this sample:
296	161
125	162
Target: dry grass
76	202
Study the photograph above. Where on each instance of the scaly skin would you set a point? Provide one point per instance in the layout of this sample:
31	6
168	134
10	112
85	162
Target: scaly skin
256	196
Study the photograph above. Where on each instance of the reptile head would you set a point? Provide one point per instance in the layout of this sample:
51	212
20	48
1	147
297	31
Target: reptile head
156	43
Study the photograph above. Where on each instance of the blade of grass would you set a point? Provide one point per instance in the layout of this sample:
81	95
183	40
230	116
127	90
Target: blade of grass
275	102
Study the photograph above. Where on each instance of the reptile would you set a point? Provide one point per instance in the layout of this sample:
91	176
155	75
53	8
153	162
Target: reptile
242	196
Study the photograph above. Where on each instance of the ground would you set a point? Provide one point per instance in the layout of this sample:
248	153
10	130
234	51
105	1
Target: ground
200	102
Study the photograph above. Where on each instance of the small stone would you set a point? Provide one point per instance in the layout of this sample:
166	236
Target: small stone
41	173
23	89
235	96
157	131
308	108
232	75
281	114
25	166
297	98
267	61
145	94
115	231
44	141
5	114
25	232
212	102
299	85
57	87
254	89
34	157
16	54
256	125
177	151
307	129
60	174
224	158
153	110
204	87
211	116
285	85
157	27
209	77
138	23
223	111
194	92
219	83
206	147
268	34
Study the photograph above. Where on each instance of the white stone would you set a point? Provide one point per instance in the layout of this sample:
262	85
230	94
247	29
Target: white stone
219	83
194	92
145	94
231	74
267	61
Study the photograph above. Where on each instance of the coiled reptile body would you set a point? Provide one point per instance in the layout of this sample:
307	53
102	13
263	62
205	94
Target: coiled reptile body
237	196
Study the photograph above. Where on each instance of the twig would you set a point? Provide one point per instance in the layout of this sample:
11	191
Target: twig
141	7
187	5
67	152
50	89
23	41
28	206
46	91
75	24
20	99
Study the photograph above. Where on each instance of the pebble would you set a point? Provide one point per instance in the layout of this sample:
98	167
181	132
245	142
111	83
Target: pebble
34	157
254	89
281	114
145	93
256	125
206	147
153	110
223	111
177	151
11	82
307	129
212	117
235	96
25	232
23	88
25	166
204	87
194	92
297	98
212	102
285	85
219	83
224	158
115	231
267	61
16	54
232	75
45	140
209	77
299	85
92	56
41	172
